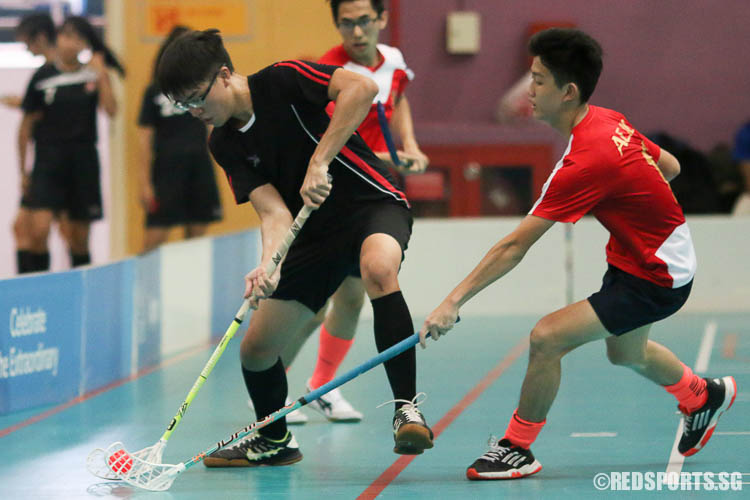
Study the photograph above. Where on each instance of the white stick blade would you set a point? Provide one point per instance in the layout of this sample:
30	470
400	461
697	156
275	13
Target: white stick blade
134	470
96	464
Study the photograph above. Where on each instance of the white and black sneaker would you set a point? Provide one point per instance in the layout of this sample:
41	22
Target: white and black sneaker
333	406
699	425
294	418
256	450
410	430
504	460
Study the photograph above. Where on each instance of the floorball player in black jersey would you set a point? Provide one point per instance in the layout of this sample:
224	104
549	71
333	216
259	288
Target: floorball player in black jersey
178	185
62	100
277	146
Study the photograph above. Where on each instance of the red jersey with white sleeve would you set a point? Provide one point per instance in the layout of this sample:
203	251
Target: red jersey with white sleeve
609	170
391	74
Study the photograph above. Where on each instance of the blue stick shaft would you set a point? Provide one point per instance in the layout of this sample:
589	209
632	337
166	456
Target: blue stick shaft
387	134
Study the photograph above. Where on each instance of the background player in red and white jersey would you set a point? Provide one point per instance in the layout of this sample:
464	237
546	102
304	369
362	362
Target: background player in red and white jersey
359	22
613	172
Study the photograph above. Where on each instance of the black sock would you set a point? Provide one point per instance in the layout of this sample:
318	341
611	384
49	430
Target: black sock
80	259
38	262
23	261
268	390
392	325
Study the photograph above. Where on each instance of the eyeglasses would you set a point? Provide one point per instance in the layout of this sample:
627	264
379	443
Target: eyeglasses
364	23
196	102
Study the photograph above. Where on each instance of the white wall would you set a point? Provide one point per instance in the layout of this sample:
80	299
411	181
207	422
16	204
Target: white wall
442	252
13	81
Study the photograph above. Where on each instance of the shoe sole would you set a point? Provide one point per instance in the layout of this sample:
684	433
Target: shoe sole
712	425
412	439
527	470
215	462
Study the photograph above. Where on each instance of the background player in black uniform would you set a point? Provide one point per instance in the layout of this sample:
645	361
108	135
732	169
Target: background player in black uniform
277	145
177	179
38	32
61	103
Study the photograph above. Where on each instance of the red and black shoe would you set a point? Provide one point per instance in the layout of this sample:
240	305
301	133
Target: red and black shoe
699	425
504	460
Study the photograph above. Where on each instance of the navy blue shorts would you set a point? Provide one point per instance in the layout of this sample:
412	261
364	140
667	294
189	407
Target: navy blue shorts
626	302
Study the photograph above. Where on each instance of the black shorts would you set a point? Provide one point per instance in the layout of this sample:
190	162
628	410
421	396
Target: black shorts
316	265
626	302
66	177
25	200
185	190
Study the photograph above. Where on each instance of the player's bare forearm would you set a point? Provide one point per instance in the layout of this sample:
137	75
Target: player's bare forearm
275	218
501	258
24	137
353	95
669	165
273	228
106	95
145	147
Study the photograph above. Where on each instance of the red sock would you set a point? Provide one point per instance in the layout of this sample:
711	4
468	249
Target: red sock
521	432
331	352
690	391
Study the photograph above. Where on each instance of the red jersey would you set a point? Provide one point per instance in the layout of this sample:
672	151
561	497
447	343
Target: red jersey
609	170
391	75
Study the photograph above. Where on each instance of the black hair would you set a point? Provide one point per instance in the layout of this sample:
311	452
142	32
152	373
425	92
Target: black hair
84	28
377	5
37	24
571	56
176	31
189	60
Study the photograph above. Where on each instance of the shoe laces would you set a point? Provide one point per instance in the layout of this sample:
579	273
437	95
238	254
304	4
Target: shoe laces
687	419
496	452
258	443
409	409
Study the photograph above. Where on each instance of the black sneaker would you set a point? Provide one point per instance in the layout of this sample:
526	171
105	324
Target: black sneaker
410	430
699	425
256	450
503	461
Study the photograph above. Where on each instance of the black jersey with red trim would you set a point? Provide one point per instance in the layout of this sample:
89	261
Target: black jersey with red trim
289	100
67	101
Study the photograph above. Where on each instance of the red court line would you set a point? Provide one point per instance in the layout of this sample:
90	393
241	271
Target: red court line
101	390
730	345
400	464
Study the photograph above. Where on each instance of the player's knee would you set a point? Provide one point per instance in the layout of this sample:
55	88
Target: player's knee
378	274
21	232
255	352
544	340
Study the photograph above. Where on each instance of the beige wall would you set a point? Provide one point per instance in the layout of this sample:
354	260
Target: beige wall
279	29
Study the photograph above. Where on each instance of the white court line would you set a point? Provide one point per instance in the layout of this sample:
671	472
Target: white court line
732	433
707	345
676	459
593	434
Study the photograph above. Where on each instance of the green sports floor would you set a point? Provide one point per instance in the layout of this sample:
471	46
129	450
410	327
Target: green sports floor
606	420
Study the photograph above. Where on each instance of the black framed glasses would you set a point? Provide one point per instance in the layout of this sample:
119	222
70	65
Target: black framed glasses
199	101
365	23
